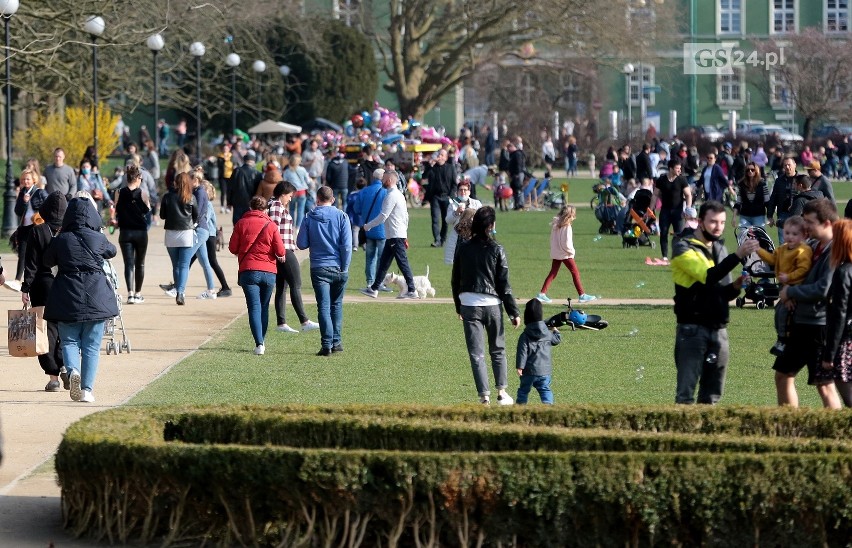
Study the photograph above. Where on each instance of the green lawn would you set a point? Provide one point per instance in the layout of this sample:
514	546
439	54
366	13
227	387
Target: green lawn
404	352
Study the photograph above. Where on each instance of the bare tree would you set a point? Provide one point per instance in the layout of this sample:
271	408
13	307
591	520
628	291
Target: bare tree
813	68
429	47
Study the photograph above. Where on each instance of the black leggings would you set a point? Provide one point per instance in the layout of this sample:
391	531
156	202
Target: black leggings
134	247
23	243
214	262
289	274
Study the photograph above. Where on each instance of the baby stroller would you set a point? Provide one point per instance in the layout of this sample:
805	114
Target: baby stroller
639	221
112	346
606	203
763	290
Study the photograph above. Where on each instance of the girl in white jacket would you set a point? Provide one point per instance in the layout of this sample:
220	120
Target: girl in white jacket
562	252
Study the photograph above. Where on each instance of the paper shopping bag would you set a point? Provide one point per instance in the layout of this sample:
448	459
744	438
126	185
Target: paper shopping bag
27	332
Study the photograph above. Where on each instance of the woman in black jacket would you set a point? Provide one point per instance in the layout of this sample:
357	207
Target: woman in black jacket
131	214
752	197
82	298
38	279
481	289
179	210
28	202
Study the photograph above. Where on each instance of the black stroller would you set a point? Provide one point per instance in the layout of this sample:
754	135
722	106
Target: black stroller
639	221
763	290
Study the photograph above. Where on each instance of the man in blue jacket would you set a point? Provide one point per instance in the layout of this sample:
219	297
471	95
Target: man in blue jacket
370	205
326	233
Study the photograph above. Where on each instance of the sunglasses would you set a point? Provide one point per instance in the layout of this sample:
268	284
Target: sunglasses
751	169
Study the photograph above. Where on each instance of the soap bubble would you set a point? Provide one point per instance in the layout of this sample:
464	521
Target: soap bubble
640	373
640	285
633	332
597	238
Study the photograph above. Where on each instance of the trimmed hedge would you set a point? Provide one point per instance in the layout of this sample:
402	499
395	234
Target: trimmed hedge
393	475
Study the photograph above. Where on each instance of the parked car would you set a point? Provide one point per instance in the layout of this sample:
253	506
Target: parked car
785	136
707	132
833	130
744	126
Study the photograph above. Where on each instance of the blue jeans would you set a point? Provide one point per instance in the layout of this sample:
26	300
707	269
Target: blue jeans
200	251
753	220
479	321
258	287
329	284
297	210
374	249
844	168
82	339
394	248
340	198
541	383
180	257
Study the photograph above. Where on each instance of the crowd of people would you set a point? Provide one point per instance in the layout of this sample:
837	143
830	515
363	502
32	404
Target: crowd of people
300	196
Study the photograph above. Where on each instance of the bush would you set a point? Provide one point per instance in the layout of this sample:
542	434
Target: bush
72	130
394	475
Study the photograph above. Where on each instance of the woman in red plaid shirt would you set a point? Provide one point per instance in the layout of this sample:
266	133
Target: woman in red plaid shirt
288	270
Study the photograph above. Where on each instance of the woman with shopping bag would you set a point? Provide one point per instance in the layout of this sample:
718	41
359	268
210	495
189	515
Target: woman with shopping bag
38	279
81	298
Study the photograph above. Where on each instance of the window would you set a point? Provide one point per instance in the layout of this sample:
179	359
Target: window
779	91
730	88
783	16
730	17
647	81
837	16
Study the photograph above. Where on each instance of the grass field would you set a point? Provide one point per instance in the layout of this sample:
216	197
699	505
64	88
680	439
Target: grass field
406	352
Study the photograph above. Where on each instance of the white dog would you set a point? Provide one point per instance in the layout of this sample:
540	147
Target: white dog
422	285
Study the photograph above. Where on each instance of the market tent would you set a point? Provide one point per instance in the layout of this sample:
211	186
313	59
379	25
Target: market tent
271	126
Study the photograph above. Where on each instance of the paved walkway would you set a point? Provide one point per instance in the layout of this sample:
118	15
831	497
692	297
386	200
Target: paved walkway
33	421
160	333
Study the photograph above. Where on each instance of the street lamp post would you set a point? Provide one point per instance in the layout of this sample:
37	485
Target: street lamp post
628	70
94	25
8	9
259	67
233	61
197	50
155	43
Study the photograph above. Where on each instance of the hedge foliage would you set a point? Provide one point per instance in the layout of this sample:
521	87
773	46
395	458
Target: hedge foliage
426	476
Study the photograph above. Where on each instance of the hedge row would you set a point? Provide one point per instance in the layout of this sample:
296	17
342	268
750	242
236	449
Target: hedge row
400	476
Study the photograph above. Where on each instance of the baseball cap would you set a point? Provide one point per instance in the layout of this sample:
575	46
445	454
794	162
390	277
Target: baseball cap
814	165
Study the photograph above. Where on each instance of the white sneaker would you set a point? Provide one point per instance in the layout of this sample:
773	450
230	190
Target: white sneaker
310	326
586	298
138	299
284	328
485	400
171	292
87	397
259	350
76	389
504	399
209	294
131	299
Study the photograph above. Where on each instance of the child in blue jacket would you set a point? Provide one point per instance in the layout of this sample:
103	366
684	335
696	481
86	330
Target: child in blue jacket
355	220
533	359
